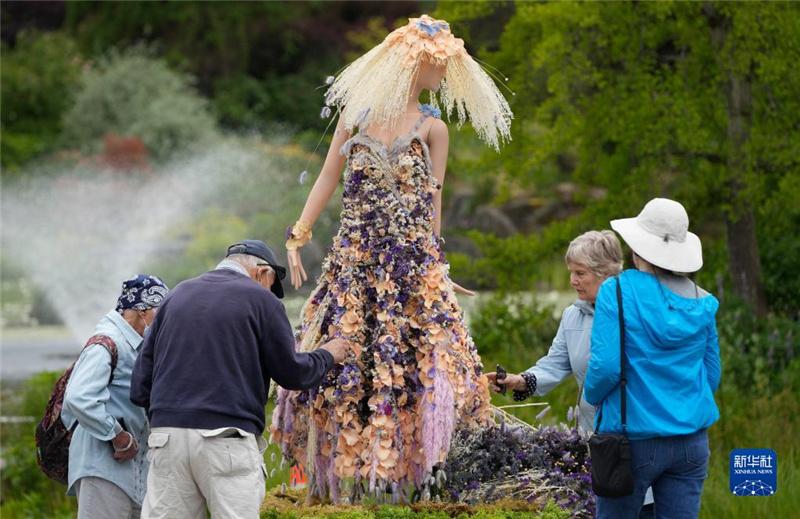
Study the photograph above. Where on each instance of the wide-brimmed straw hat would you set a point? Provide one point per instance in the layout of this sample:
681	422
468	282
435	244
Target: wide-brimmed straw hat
660	235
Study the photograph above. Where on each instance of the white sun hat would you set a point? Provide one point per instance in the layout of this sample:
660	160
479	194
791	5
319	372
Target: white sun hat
660	235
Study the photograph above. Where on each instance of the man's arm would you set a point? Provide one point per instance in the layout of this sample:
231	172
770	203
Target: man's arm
87	393
287	367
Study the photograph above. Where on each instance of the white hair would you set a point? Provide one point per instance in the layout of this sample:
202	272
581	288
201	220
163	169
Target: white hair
599	251
245	260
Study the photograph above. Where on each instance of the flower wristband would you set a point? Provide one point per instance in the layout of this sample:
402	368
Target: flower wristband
298	235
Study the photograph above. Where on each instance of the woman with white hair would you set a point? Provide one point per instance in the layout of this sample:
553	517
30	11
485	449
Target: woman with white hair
664	403
591	258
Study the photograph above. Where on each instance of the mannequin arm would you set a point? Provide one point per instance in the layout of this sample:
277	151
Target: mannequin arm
322	191
328	178
439	146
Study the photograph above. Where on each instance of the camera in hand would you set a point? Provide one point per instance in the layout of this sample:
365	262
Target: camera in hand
501	375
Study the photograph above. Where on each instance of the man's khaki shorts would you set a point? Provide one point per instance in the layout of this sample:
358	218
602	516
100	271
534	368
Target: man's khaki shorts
194	469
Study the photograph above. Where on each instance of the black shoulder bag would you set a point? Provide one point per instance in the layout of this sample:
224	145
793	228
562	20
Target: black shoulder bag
612	475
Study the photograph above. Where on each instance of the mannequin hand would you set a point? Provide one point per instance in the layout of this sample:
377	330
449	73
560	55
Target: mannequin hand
458	289
296	270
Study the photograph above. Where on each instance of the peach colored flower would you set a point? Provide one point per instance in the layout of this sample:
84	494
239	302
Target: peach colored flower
351	322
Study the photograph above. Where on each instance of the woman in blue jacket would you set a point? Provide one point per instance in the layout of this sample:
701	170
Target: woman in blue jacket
672	363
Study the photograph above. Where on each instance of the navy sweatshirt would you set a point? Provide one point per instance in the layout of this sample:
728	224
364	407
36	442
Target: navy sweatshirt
207	360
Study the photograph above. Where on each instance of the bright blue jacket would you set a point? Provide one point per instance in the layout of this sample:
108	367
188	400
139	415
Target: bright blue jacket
672	355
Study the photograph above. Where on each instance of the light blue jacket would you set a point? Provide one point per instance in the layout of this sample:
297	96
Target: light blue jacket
569	354
96	406
672	354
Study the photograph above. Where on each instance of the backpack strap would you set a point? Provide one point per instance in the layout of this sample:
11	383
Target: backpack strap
111	347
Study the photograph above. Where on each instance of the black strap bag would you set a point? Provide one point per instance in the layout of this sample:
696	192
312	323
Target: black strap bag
612	475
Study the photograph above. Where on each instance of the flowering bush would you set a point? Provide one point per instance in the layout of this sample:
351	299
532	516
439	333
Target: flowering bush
519	462
134	94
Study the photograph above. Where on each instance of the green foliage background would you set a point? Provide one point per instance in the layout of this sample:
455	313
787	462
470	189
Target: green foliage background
631	98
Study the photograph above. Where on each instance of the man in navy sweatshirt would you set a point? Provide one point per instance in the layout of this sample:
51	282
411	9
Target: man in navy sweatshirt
203	376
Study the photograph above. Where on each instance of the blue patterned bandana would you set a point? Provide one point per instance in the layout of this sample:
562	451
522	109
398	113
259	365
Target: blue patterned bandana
141	292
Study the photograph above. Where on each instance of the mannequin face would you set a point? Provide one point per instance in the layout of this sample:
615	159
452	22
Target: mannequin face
430	75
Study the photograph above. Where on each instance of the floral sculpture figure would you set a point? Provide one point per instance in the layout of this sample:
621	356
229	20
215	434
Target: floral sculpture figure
384	420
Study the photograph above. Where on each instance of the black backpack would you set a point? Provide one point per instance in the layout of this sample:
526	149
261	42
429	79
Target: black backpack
52	438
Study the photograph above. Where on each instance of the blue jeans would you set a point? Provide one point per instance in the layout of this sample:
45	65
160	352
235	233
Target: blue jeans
675	466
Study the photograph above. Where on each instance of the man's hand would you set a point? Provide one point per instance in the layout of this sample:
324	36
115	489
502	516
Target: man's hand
125	446
515	382
338	348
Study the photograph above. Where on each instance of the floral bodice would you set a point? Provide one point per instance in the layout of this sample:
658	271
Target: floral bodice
387	209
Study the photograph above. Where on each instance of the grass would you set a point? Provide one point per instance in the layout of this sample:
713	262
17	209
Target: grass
290	505
763	422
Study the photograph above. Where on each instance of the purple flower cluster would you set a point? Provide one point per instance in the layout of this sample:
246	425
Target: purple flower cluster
521	463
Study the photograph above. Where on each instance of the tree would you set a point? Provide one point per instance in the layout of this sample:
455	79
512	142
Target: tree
39	75
257	61
695	101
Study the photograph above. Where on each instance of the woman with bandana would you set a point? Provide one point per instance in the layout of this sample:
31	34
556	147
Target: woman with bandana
107	463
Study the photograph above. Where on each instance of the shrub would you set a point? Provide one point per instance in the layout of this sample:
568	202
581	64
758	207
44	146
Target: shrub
133	94
25	489
756	352
514	330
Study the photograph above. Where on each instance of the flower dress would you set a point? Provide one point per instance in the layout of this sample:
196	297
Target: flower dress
384	418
